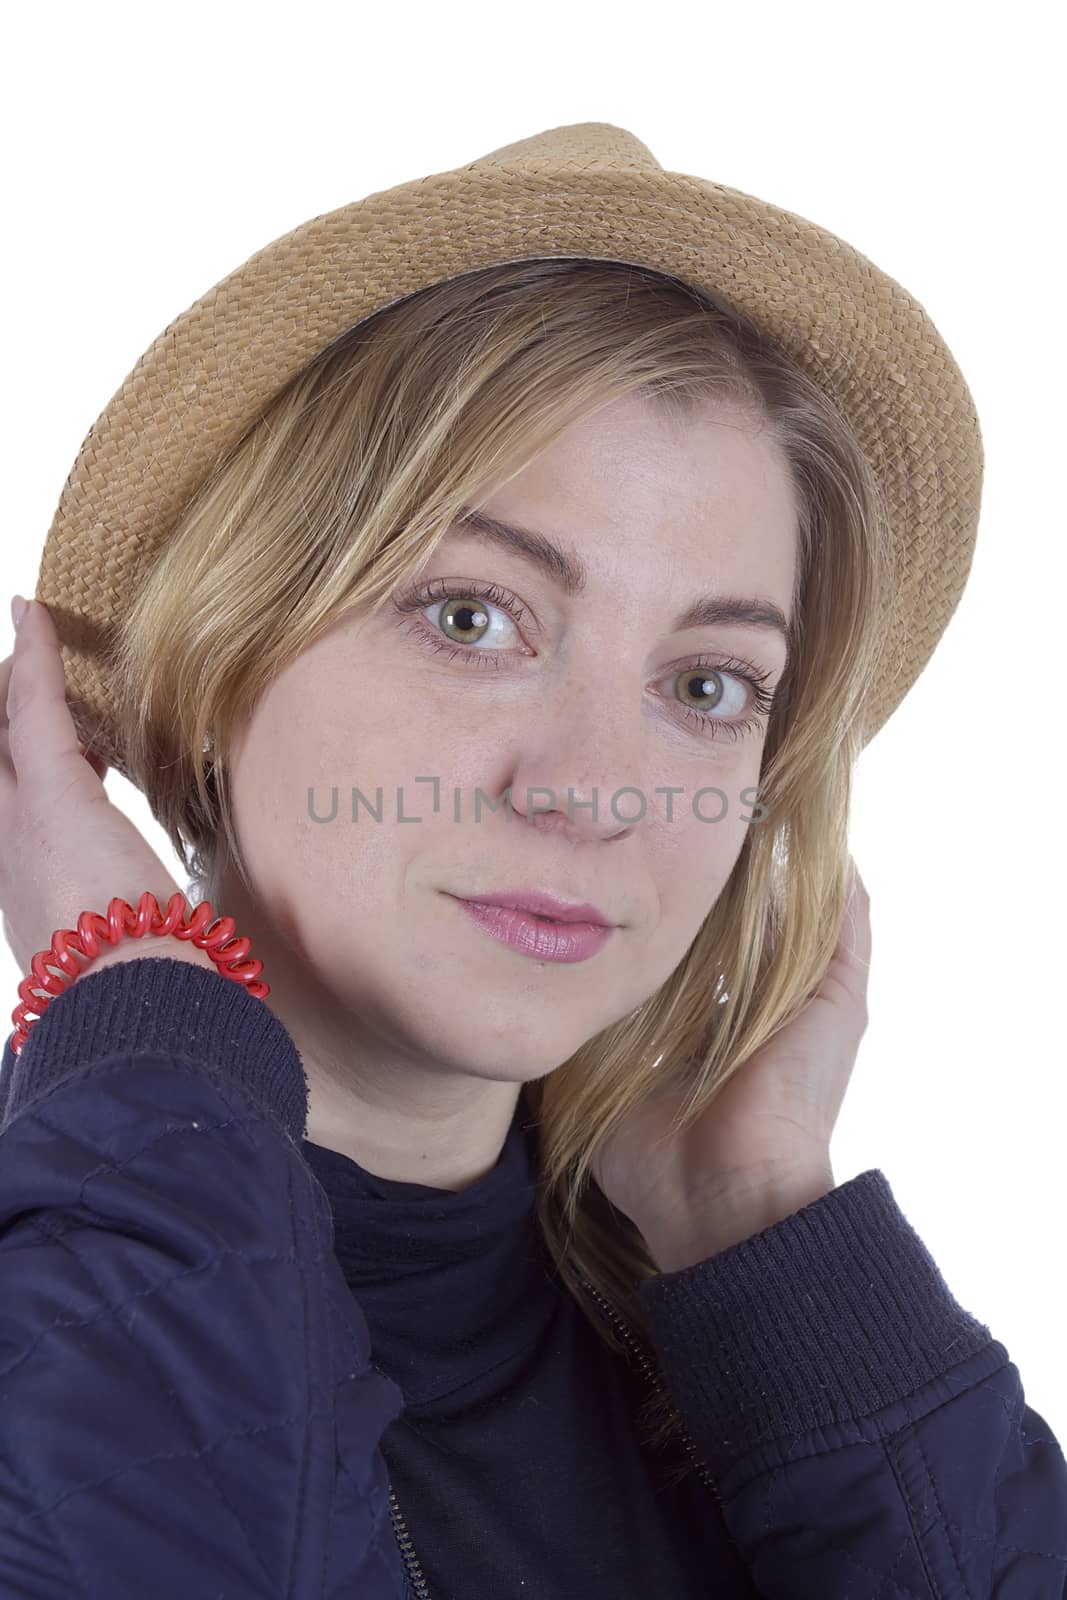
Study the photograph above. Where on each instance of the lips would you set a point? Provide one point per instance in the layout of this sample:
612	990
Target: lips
539	904
548	942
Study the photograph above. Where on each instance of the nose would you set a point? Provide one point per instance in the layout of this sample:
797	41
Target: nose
579	771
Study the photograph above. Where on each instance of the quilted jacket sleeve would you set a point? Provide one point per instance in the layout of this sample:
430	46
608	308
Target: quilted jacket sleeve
187	1405
869	1438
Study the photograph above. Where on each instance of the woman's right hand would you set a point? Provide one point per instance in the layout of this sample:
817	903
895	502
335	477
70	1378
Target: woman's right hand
64	847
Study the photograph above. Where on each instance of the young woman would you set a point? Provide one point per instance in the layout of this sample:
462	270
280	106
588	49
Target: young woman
491	586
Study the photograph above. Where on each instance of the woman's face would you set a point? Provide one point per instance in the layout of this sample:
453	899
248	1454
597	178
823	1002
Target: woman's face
583	691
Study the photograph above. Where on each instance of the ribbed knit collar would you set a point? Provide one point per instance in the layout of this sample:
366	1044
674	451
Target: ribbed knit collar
451	1283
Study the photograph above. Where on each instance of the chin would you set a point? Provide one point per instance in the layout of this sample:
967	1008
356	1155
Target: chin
503	1064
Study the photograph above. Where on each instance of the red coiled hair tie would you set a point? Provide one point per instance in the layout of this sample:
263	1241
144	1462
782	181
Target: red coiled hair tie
201	927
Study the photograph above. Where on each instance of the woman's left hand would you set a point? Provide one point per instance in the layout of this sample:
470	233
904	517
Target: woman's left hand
761	1150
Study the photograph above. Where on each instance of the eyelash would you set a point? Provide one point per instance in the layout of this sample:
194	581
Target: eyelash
440	591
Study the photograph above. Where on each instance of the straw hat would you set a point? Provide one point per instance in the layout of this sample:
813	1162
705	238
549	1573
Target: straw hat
590	189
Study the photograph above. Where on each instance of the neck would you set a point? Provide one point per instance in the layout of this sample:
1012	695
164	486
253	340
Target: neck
374	1098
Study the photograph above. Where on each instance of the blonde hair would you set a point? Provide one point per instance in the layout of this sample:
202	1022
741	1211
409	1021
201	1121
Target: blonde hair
346	483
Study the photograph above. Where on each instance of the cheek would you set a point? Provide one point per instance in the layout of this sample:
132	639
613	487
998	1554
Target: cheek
694	855
341	812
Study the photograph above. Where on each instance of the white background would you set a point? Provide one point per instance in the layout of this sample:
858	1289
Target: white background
150	150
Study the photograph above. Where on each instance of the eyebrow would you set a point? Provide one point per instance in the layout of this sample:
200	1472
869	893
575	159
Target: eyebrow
569	574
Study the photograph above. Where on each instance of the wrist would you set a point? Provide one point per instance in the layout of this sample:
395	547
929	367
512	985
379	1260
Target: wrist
707	1227
129	949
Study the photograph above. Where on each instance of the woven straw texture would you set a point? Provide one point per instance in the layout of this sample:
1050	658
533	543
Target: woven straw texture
593	190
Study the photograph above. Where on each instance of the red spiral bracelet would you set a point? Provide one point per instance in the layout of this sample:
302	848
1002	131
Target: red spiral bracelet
202	928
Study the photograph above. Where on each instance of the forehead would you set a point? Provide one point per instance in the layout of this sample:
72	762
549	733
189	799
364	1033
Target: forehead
674	501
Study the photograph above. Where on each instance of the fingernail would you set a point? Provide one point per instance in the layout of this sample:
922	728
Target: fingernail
19	608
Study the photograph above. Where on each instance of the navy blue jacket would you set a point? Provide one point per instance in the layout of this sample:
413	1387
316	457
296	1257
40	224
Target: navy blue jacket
233	1364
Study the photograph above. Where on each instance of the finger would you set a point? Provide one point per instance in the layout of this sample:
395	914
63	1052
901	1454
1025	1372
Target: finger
856	937
856	885
41	733
5	679
97	762
7	769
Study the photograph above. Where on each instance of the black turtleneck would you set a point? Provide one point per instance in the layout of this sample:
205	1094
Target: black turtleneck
452	1283
516	1463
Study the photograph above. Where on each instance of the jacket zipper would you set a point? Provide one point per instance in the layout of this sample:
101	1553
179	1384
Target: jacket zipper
416	1578
419	1587
651	1372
